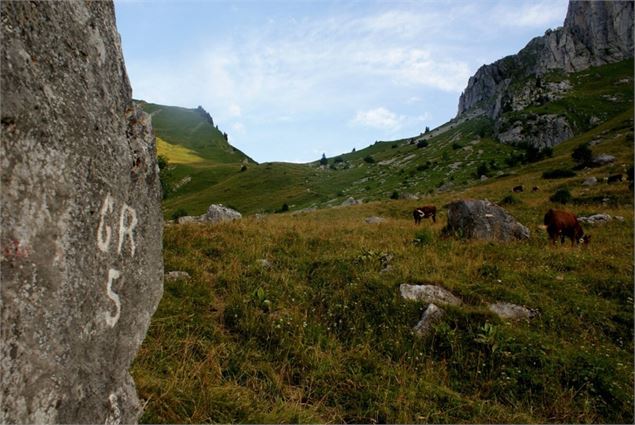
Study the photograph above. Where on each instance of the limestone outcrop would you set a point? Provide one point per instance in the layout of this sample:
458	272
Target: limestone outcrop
594	33
482	219
82	270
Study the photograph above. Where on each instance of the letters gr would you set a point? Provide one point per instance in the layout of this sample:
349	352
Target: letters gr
127	223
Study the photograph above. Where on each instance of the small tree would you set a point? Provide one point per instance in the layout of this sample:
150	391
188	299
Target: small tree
482	170
324	161
422	144
582	155
369	159
427	129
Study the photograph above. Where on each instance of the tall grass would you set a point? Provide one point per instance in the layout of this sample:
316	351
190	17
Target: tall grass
321	334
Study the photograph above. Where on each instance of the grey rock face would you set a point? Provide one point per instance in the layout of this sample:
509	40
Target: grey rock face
431	316
594	33
82	269
541	131
428	293
508	311
218	213
482	219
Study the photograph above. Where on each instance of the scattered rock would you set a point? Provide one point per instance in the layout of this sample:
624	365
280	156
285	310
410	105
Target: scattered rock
483	177
602	159
176	275
410	196
590	181
619	218
508	311
264	263
374	220
350	201
482	219
431	316
596	219
217	213
82	268
189	219
428	294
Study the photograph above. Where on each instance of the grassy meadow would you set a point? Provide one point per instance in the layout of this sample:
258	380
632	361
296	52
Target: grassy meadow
297	316
320	333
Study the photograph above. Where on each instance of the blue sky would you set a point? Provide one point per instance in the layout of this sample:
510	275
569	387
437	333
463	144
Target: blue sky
290	80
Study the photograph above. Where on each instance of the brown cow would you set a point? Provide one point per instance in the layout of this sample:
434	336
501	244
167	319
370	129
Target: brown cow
564	224
425	212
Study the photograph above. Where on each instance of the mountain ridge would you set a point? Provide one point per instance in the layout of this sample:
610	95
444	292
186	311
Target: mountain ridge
594	33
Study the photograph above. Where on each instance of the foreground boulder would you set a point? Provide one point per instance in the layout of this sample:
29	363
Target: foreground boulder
82	270
482	219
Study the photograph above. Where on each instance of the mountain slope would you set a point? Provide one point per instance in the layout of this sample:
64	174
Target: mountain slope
193	129
456	156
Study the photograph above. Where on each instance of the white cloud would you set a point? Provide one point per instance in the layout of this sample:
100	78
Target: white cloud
234	110
538	14
238	127
380	118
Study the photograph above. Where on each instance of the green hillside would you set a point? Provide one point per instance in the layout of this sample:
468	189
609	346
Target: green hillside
457	154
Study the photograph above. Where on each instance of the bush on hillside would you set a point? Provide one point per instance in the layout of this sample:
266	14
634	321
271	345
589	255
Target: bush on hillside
181	212
482	170
510	200
395	195
558	173
369	159
423	237
323	160
582	155
456	146
422	144
283	208
561	196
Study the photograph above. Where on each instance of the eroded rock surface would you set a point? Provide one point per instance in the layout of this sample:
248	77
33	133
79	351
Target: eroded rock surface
429	294
82	270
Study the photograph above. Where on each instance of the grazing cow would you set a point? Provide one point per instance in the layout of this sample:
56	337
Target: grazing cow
564	224
615	178
518	188
535	189
425	212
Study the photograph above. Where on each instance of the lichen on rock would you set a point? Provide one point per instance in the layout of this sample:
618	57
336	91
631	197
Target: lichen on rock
82	270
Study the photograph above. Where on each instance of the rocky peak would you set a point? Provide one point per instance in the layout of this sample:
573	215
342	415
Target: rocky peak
594	33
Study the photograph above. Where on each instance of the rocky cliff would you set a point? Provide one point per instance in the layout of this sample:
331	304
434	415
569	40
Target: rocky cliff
594	33
81	265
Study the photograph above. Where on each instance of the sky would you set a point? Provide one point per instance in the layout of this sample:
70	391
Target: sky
291	80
